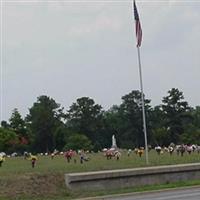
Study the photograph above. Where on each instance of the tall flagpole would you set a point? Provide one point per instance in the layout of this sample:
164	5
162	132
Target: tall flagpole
139	40
143	108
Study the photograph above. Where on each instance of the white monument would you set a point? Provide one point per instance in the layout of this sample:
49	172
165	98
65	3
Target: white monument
114	144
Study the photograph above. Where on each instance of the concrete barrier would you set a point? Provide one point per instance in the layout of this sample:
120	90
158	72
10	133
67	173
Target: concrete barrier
124	178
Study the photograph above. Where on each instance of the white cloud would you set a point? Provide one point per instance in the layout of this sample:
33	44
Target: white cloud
69	50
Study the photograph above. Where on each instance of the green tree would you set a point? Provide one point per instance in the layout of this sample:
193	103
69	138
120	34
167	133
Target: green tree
62	133
177	114
191	135
195	112
18	124
130	111
7	139
5	124
43	119
158	130
161	136
112	125
85	117
78	142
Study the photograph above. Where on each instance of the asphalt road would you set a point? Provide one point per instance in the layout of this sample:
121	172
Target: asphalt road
179	194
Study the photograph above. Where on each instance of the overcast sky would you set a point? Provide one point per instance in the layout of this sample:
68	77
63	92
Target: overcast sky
70	49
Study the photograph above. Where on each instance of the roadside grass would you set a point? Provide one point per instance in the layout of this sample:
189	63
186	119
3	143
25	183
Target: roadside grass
18	180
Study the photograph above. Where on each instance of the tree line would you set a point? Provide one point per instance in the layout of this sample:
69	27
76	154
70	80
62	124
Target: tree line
85	125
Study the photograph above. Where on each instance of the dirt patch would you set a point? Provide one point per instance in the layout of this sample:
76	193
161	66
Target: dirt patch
33	185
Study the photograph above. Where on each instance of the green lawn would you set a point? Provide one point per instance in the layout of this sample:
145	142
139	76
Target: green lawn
18	180
97	162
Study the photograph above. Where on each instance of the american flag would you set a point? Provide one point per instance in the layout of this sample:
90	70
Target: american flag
137	26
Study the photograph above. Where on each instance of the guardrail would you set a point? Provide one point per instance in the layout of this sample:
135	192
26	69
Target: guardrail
124	178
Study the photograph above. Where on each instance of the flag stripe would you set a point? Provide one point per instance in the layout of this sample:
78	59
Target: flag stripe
137	26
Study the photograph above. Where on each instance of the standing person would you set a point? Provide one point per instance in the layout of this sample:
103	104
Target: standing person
81	158
33	160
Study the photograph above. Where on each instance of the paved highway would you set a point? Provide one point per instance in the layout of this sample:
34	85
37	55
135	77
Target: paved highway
179	194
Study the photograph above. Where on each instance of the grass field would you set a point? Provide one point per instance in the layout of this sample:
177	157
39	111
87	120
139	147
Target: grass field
18	180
